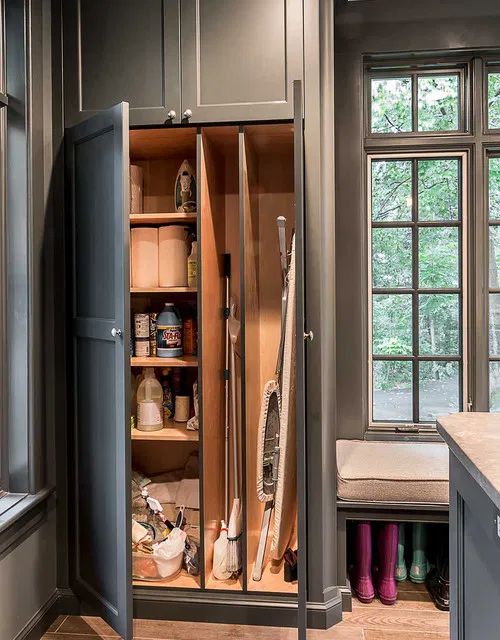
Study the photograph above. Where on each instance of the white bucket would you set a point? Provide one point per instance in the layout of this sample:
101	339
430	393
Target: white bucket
173	255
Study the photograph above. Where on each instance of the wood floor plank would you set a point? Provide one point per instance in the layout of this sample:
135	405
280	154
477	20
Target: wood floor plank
87	625
75	636
404	635
392	618
56	624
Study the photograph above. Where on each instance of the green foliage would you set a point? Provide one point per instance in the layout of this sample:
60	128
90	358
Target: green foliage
391	190
392	326
391	258
438	257
494	100
391	105
439	324
438	103
494	188
438	189
495	386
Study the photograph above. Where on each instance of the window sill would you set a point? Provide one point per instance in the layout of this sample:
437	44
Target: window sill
19	513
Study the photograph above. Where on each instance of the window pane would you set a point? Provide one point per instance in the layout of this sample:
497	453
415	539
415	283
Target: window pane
392	391
438	257
439	386
439	324
392	324
438	189
494	257
391	105
494	324
391	190
391	258
438	103
495	387
494	100
494	188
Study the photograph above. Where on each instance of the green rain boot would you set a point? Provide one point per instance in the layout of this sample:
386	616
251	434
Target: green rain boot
401	572
419	565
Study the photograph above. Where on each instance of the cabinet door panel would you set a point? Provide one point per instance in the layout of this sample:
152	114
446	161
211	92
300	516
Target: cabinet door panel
239	58
97	167
121	50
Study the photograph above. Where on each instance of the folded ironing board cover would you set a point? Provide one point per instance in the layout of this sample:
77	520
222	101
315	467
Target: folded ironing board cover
285	500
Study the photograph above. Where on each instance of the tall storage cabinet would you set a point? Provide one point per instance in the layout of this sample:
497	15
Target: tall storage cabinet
246	177
182	60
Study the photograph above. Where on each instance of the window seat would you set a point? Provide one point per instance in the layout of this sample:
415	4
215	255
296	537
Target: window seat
392	473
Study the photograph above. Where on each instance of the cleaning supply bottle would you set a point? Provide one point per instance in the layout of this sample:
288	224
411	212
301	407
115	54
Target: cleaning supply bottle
192	265
149	403
168	398
169	332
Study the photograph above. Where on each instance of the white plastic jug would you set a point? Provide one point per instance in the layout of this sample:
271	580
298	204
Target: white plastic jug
149	403
173	253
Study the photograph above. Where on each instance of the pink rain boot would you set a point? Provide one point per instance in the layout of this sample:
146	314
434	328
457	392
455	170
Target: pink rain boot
387	558
362	582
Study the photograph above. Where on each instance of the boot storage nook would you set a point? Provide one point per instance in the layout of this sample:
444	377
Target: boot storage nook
244	178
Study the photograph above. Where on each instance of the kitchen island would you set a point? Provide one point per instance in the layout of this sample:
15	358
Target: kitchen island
474	443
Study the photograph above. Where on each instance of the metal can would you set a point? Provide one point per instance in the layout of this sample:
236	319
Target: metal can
153	330
142	347
141	325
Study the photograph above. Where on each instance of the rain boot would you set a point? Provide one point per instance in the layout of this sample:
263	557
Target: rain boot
419	566
362	582
401	571
387	558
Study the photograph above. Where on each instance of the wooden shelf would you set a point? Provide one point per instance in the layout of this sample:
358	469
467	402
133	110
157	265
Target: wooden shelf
162	218
233	584
175	432
164	290
181	361
182	581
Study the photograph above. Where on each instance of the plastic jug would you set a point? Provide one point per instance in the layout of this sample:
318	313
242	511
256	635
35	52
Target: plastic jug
169	332
149	403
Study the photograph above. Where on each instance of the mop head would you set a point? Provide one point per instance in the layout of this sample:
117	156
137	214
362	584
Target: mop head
220	571
234	558
269	426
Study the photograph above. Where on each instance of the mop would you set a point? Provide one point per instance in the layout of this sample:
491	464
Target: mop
234	559
220	571
268	449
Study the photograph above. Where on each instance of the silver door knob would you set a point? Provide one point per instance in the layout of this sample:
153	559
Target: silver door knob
187	113
171	114
309	336
116	333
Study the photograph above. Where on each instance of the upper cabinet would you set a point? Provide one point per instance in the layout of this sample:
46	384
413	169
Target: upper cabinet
240	58
235	60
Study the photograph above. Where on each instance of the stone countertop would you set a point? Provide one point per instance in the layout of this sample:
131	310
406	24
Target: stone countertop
474	438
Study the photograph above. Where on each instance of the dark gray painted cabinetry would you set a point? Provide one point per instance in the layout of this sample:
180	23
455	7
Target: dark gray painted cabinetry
235	60
121	50
240	58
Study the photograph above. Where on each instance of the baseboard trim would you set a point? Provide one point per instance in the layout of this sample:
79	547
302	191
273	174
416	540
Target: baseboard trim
61	602
323	615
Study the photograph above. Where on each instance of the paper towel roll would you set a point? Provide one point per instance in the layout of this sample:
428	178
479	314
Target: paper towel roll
144	257
173	256
136	189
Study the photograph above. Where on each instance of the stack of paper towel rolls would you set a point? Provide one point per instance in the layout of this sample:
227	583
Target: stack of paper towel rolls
158	257
144	257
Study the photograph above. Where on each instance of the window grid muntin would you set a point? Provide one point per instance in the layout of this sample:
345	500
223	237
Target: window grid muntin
416	291
405	71
491	290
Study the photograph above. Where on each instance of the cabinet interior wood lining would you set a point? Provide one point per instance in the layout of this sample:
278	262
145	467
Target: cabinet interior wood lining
244	181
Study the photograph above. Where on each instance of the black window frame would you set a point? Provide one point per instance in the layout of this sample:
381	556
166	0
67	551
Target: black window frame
462	291
404	69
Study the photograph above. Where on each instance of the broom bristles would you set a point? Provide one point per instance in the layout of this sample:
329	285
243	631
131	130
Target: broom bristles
234	561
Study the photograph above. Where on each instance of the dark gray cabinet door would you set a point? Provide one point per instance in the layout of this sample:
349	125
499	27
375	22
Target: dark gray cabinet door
298	124
118	50
97	167
240	58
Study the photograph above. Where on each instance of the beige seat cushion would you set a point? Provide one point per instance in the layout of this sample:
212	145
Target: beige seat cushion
392	472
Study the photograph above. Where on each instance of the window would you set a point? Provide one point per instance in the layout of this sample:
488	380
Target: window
417	242
493	92
494	281
418	102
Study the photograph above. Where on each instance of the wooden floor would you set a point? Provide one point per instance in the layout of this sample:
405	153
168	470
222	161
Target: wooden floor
413	617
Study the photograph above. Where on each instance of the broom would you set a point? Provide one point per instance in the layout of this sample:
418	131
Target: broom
234	561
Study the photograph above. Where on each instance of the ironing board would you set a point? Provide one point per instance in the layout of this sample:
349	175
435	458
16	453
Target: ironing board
285	500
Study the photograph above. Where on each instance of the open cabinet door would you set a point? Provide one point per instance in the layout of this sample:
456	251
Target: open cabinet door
97	157
300	361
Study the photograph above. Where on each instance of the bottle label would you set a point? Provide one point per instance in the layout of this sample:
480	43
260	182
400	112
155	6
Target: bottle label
148	413
192	272
142	347
169	337
141	325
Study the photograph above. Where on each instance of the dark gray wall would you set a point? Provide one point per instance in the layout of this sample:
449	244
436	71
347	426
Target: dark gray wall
381	27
